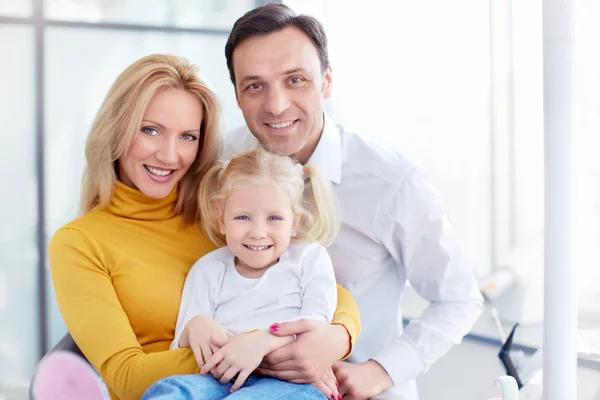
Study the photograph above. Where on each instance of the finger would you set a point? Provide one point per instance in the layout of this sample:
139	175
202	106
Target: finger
282	366
284	353
242	376
220	369
293	328
323	388
228	375
282	375
300	381
214	348
198	355
206	352
328	382
212	362
344	388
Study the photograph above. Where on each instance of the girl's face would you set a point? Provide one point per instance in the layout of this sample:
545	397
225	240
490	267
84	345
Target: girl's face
165	146
258	224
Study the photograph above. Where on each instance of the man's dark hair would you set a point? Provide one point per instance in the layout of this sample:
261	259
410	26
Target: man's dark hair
273	18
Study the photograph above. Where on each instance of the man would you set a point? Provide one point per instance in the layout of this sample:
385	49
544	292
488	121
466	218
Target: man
393	225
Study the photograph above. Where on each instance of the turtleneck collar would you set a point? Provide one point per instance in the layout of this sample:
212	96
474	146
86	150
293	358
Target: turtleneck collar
129	202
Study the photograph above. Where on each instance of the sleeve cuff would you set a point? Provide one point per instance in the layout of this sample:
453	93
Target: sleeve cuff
401	362
352	327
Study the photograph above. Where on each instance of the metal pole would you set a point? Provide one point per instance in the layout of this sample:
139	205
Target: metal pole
560	300
38	17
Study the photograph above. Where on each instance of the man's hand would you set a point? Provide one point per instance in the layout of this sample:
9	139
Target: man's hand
197	335
317	346
361	381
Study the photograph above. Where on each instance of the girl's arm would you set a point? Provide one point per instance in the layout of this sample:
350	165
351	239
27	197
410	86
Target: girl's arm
99	325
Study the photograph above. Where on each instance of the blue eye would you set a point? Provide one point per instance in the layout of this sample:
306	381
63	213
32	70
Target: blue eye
242	217
254	86
188	137
274	218
149	131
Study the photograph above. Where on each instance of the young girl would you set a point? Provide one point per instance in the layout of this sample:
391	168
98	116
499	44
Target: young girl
273	268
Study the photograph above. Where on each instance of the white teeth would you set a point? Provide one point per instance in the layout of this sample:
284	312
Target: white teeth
158	172
282	125
257	248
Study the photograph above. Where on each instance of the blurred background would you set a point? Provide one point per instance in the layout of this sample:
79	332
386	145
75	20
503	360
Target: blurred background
457	86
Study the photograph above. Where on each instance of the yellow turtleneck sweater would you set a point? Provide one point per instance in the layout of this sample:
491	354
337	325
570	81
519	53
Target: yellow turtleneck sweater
118	275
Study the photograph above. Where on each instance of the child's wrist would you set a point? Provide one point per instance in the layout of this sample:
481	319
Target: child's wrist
184	339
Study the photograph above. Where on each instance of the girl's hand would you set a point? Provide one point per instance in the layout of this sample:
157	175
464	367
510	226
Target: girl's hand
239	356
197	335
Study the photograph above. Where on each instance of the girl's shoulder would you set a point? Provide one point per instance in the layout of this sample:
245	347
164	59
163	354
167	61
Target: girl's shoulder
301	252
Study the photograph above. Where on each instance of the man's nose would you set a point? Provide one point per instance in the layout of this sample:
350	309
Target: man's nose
277	101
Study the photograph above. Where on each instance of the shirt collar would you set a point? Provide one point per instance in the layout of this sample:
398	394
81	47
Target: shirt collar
327	157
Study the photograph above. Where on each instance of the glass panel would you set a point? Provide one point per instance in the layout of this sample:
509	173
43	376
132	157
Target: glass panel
432	105
220	14
586	142
75	88
18	213
16	8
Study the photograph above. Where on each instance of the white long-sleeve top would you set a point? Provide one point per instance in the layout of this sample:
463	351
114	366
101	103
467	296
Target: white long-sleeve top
301	285
394	229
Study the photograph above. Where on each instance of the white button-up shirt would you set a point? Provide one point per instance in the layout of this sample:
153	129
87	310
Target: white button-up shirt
394	229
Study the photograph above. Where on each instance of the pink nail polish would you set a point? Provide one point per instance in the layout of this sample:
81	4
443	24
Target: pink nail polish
275	327
333	396
339	396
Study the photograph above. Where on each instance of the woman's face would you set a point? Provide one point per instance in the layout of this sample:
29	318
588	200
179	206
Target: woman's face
166	144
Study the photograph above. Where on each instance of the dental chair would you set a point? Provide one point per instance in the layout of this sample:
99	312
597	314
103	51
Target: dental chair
90	386
68	347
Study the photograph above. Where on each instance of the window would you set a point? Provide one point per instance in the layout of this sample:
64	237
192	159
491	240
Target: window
46	109
462	93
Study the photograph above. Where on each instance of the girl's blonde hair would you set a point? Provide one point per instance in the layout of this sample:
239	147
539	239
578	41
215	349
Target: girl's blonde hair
119	119
316	219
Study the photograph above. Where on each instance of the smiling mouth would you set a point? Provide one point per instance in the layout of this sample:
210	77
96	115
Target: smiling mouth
281	125
258	248
159	172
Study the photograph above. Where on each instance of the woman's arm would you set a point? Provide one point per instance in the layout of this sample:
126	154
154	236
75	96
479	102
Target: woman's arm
346	315
99	325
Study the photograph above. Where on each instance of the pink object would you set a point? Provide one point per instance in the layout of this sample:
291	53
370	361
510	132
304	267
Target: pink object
63	375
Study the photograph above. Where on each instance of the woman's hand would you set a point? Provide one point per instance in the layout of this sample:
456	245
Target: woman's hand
317	347
197	335
328	385
239	356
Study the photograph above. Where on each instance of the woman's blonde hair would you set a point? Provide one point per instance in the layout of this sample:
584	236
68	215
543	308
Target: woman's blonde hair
119	119
316	219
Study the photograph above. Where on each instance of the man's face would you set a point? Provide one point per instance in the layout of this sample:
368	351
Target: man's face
280	89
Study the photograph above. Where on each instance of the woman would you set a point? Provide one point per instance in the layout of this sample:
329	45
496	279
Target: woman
118	271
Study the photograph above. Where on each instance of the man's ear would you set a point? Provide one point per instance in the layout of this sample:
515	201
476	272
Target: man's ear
327	83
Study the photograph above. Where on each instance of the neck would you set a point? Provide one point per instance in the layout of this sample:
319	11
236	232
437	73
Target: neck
307	151
251	272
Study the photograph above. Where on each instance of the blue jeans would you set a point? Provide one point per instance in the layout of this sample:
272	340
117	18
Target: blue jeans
205	387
